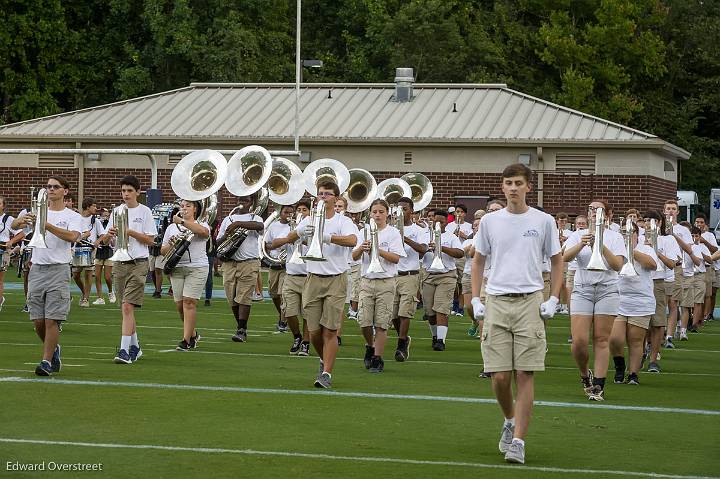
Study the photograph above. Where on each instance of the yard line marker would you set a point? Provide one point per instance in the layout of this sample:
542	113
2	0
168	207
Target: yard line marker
331	457
315	392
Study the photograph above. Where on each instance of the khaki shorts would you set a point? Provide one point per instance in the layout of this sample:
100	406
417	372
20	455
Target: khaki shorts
466	284
513	336
405	301
104	262
659	319
677	289
709	276
355	283
639	321
154	262
129	282
716	279
670	288
292	289
698	282
275	282
239	280
188	282
376	302
437	291
546	285
49	291
324	301
459	267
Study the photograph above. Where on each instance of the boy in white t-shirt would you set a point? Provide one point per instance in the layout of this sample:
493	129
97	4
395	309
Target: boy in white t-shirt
513	340
90	228
707	238
8	240
129	276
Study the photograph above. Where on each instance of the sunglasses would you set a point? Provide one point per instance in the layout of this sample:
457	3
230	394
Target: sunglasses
54	187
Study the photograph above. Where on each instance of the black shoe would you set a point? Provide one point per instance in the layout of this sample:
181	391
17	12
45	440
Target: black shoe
194	340
240	336
399	352
439	345
183	346
296	345
207	302
369	353
633	379
434	340
619	376
157	294
378	365
339	341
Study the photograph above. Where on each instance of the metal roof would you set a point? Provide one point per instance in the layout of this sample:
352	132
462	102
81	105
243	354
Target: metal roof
333	112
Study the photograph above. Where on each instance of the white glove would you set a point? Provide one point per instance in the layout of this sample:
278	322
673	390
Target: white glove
326	238
478	308
307	231
547	309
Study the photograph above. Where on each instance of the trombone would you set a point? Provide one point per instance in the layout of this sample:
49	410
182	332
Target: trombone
437	262
375	265
628	270
596	262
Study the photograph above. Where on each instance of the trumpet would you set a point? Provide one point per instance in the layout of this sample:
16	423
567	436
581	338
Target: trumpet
628	270
39	208
596	262
653	232
437	263
375	266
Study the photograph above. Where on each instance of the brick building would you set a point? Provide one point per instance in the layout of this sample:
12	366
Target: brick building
460	135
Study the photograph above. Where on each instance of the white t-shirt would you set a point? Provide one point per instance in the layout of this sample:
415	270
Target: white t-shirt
690	268
518	243
140	219
5	232
710	238
58	251
196	254
336	256
351	261
447	240
663	245
389	239
249	248
614	227
411	260
636	292
276	230
684	234
291	268
465	228
671	250
468	259
612	241
88	224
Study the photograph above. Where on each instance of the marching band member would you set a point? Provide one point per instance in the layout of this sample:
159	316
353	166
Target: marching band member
561	219
694	285
340	207
469	249
684	240
463	230
90	232
326	286
635	308
240	274
425	224
354	277
189	276
292	287
667	252
48	288
129	276
581	223
594	301
377	289
8	238
408	279
440	282
708	239
513	339
276	274
103	264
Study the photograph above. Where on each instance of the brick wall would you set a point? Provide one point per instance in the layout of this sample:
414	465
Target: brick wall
569	193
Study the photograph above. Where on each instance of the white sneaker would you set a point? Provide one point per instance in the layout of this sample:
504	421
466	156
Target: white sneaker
84	303
112	298
515	453
257	296
352	314
506	437
99	301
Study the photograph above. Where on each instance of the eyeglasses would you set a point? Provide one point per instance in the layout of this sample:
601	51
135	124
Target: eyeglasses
53	187
325	193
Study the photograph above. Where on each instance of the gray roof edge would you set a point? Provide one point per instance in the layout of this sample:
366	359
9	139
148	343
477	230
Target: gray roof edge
448	86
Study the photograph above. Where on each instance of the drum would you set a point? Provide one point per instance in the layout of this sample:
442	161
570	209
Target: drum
82	256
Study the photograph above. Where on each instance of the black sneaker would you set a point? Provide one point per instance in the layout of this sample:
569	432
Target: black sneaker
339	341
439	345
587	383
434	340
400	351
296	345
304	349
378	365
194	340
240	336
619	376
597	393
44	368
633	379
183	346
157	294
282	327
56	362
207	302
369	353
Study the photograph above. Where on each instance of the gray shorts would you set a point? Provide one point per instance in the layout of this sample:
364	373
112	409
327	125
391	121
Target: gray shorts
49	291
592	299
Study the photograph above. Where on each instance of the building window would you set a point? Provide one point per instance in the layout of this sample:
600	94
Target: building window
56	161
407	160
575	163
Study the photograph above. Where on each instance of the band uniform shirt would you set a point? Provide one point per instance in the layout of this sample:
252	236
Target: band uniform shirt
684	234
448	240
351	261
710	238
612	241
388	240
140	219
249	249
518	243
672	251
467	269
465	227
336	256
411	260
275	231
196	254
93	226
58	251
636	292
664	247
690	268
5	232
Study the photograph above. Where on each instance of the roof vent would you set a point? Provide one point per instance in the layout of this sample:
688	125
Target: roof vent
404	84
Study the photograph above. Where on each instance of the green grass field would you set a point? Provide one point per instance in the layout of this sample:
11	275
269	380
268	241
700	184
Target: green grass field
250	410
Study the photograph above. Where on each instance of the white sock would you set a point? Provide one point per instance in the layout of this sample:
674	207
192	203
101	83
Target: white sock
518	441
442	332
134	340
433	329
683	330
125	343
510	422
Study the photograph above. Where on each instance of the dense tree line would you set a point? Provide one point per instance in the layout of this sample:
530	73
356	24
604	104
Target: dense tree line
650	64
